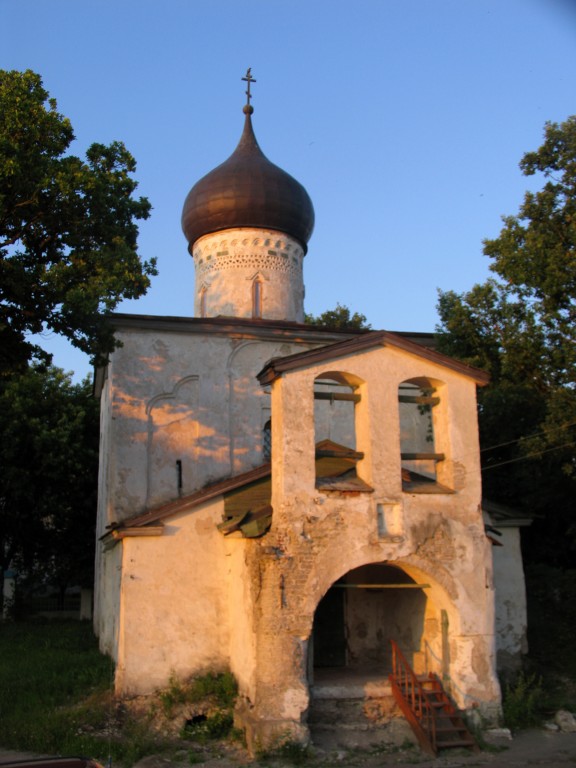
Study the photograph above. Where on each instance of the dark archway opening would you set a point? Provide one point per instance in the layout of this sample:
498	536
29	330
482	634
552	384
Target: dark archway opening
359	615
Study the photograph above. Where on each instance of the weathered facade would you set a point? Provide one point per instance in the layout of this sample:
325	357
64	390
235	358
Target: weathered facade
280	499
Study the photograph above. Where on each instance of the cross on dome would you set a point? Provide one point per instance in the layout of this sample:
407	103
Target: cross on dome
249	79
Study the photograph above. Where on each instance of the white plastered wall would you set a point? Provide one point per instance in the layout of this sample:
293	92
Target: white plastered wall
172	397
511	612
176	397
228	263
174	616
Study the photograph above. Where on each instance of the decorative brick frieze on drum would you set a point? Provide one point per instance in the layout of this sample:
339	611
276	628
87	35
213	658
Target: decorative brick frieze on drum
226	264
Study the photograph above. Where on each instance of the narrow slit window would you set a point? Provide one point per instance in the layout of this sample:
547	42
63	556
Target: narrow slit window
267	441
257	291
203	292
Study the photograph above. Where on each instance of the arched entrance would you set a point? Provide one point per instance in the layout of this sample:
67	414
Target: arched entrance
359	615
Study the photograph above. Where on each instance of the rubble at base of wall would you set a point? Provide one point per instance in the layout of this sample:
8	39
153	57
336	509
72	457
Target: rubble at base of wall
264	735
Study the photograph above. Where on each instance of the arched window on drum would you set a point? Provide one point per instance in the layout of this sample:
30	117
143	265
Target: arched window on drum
257	296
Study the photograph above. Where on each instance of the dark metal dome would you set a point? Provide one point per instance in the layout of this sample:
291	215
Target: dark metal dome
247	190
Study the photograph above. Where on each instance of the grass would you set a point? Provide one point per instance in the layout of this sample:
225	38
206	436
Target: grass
523	702
547	681
220	687
287	752
216	692
56	694
551	621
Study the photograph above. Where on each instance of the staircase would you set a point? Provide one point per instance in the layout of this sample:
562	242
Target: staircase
352	709
436	722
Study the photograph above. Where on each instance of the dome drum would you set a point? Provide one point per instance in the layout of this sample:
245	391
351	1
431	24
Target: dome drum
249	273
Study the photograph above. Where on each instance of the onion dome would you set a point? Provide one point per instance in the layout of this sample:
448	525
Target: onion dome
247	190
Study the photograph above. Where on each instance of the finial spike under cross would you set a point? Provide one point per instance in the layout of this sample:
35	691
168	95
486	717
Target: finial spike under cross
248	79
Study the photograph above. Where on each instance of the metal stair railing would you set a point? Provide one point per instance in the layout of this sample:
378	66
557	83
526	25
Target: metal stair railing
411	690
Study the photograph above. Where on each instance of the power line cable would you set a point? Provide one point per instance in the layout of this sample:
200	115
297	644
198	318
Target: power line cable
527	456
529	437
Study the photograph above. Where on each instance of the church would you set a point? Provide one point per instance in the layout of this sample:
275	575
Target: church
293	503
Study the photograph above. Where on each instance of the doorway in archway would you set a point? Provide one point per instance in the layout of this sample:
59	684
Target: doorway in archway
359	615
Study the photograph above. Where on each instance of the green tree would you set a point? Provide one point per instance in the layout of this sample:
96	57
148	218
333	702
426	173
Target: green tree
339	318
67	228
521	327
49	433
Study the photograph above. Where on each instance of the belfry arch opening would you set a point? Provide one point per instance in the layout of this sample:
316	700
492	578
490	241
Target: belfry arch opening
419	401
362	612
336	400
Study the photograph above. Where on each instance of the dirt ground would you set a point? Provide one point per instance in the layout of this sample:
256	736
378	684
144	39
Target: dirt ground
536	747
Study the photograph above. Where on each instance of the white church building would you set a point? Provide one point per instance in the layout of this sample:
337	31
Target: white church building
284	500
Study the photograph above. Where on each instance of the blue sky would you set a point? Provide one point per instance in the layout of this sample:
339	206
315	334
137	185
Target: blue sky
404	119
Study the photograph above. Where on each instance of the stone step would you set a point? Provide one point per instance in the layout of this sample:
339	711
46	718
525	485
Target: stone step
372	711
356	687
455	743
394	733
355	711
354	705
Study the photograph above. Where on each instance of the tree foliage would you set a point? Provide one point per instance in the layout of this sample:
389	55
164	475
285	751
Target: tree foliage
521	327
68	228
49	433
339	318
